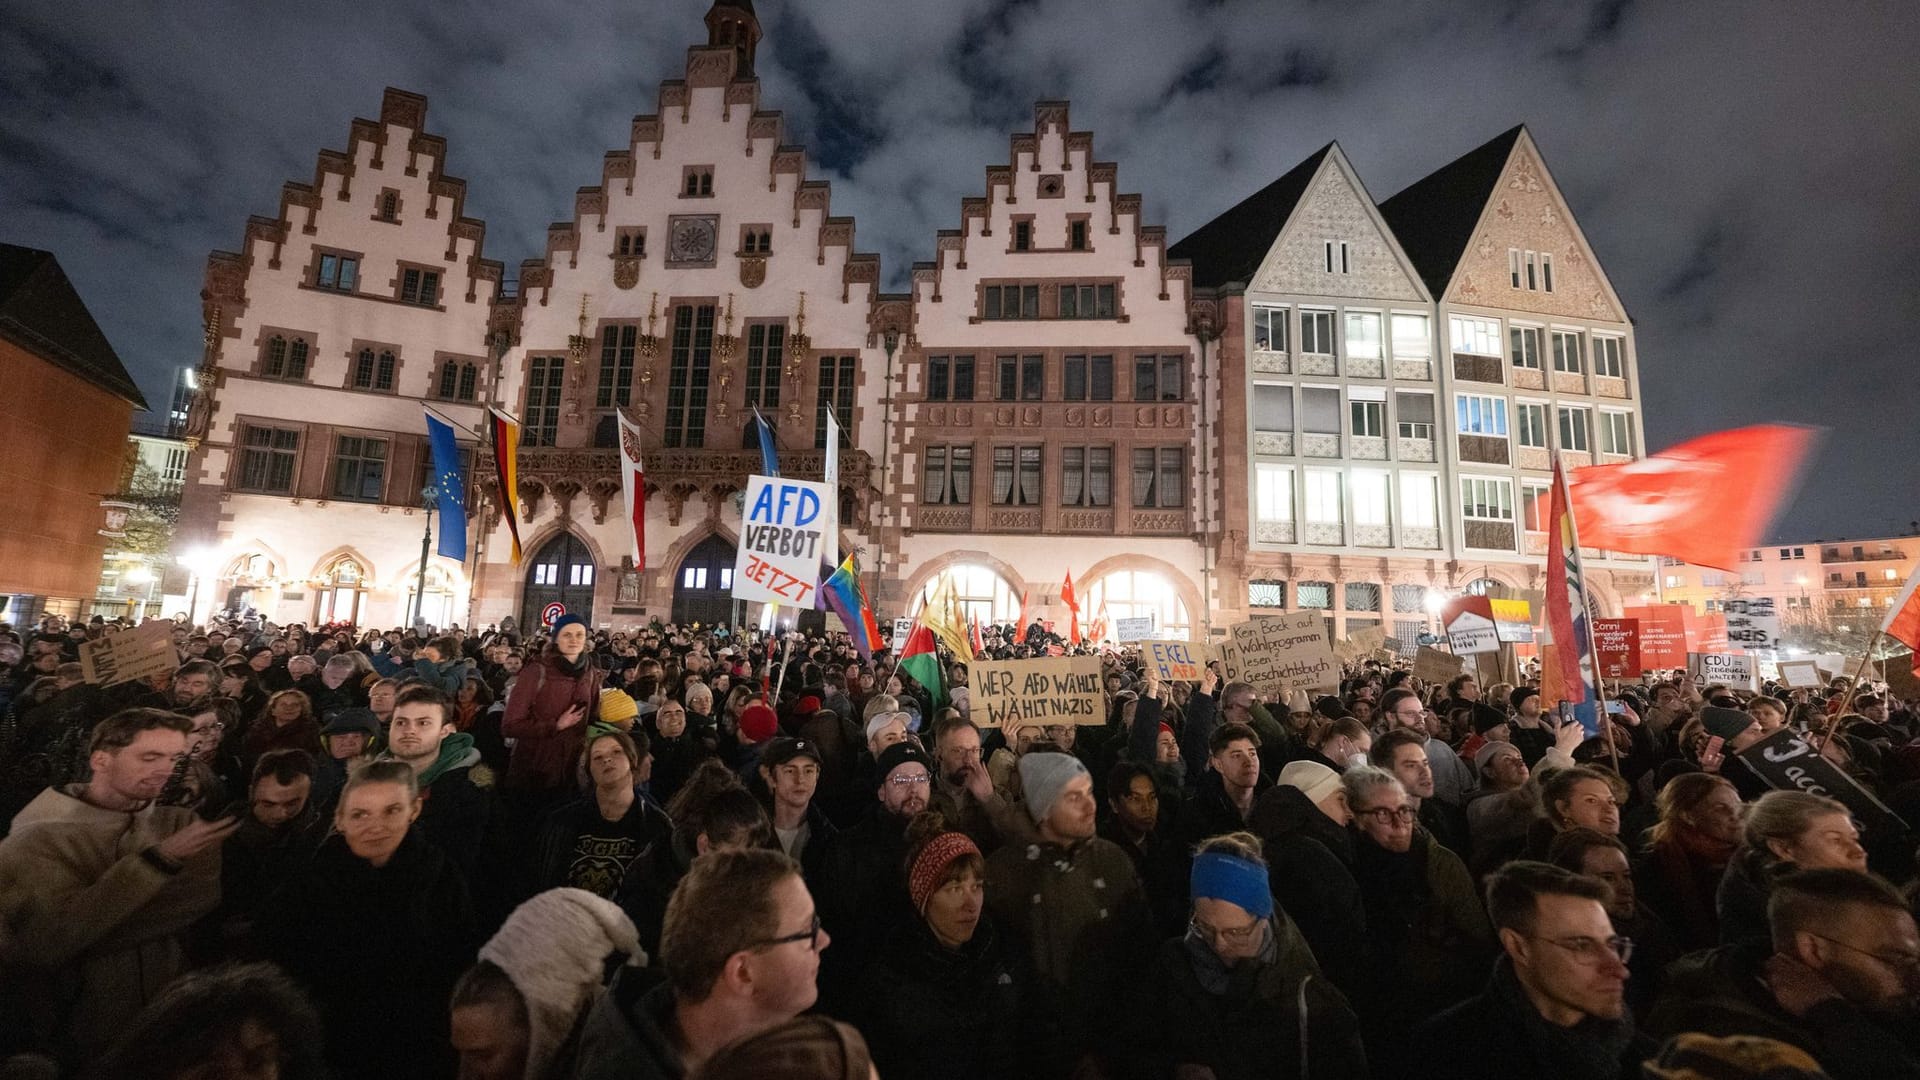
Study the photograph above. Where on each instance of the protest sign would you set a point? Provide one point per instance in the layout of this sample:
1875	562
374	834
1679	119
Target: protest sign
1227	651
1513	620
1368	639
1731	669
1286	652
1831	664
1180	661
1385	656
1433	666
1470	627
130	654
1787	761
1616	644
1050	690
1752	623
1663	635
782	533
1139	629
1801	675
902	627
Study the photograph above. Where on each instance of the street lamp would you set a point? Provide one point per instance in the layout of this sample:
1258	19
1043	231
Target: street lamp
889	340
429	498
199	563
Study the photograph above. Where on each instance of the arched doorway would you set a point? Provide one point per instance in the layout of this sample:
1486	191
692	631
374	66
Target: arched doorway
343	588
982	593
561	573
703	586
439	610
249	582
1135	594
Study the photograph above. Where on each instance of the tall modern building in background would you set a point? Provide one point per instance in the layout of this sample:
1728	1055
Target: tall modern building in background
1312	402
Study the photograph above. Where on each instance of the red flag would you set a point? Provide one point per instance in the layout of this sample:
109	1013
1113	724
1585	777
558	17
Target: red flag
979	640
1020	631
1702	502
1073	609
1903	619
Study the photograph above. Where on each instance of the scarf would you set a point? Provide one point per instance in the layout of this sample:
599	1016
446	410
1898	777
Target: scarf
1213	974
1589	1050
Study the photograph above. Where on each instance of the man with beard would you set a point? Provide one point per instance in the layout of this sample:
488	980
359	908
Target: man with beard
456	803
282	829
963	791
1837	981
98	886
863	895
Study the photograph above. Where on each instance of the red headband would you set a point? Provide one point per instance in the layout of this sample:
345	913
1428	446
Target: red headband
930	866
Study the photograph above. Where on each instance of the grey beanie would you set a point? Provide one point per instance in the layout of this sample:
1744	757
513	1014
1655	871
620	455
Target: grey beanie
1043	776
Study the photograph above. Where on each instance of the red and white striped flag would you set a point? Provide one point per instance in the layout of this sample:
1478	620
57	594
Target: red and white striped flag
633	485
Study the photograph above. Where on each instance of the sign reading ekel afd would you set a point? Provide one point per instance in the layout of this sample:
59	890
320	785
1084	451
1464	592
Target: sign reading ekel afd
781	537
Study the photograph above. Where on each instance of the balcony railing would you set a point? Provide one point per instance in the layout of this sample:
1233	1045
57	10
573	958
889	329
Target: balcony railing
1842	555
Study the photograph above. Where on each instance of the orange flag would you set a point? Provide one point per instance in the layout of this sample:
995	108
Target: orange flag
1702	502
1073	609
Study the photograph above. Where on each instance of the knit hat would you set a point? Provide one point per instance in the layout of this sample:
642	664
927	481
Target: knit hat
1521	694
1043	776
1702	1057
1486	717
351	721
810	1046
806	706
1725	723
899	754
1485	755
1314	780
758	723
618	708
565	621
1166	729
930	865
554	949
1329	706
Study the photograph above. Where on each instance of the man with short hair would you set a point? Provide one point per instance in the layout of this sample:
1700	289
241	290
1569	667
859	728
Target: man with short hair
963	791
1452	780
725	978
1403	753
1223	799
1240	703
282	829
1556	1004
790	769
456	790
863	889
1837	980
1135	823
98	886
1604	858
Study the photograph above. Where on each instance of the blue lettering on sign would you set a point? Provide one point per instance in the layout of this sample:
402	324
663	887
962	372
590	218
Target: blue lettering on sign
790	499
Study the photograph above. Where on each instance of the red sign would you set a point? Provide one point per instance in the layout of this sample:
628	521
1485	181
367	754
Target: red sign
1616	644
1706	633
552	612
1663	635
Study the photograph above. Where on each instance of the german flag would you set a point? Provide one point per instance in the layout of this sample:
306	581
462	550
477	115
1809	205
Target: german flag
506	466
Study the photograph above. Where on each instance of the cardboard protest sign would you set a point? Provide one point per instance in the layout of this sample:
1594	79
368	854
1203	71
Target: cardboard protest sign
1832	664
1174	661
1433	666
782	534
1787	761
1049	690
1663	635
1801	675
1616	644
130	654
1227	651
1368	639
1470	626
1385	656
1752	623
1513	620
1732	669
902	627
1286	652
1138	629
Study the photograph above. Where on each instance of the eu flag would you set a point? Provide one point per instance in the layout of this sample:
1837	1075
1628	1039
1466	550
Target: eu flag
449	483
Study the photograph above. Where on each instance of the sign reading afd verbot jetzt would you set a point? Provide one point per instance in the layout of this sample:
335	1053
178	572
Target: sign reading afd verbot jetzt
782	534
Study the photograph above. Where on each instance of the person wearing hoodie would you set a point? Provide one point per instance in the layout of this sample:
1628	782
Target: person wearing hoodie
516	1013
456	791
1304	825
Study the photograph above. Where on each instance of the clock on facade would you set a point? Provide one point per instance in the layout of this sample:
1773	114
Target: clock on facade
692	240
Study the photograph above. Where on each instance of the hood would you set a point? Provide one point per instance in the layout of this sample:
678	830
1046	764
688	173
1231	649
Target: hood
456	752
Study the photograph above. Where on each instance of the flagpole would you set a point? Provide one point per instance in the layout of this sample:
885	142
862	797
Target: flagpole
1853	689
1586	604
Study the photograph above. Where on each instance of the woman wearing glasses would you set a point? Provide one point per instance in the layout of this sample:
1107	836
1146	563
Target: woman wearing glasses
1240	995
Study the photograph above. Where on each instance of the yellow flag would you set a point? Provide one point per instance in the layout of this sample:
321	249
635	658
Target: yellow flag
941	614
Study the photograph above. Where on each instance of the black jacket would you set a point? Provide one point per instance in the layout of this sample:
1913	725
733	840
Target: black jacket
602	869
946	1014
1164	864
1310	867
627	1034
1741	900
1209	812
378	949
860	888
1499	1035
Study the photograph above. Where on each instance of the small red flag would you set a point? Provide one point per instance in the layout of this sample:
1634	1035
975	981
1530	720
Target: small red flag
1020	631
1702	502
1073	609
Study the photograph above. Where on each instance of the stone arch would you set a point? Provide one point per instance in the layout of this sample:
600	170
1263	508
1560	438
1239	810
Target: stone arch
1605	596
933	567
368	573
1513	577
533	543
1199	616
692	538
232	551
408	574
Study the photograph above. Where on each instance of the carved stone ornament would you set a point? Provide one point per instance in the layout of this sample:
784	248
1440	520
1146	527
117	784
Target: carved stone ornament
753	271
626	271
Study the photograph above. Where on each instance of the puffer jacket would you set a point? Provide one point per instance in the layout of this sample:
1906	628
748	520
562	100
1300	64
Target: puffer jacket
543	754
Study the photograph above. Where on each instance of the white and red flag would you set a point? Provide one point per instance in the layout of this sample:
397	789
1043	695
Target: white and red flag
633	486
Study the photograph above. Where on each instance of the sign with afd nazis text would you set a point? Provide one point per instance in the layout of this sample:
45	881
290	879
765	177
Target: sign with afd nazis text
1752	623
1174	661
1282	653
782	534
1787	761
1048	690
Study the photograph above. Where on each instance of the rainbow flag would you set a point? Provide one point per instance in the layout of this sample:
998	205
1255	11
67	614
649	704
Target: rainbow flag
506	470
843	595
1563	673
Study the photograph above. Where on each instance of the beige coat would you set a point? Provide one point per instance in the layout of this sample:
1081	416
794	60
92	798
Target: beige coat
92	930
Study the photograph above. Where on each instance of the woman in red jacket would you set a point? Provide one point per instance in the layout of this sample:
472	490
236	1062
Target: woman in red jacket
553	700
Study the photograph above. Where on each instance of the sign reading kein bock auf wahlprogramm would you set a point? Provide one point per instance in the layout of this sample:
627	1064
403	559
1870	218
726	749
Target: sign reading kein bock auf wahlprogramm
1283	653
1049	690
782	534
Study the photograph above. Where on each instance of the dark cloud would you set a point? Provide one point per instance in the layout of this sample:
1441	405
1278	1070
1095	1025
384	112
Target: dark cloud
1743	171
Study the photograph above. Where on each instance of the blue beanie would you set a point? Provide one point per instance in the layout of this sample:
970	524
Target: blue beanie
567	620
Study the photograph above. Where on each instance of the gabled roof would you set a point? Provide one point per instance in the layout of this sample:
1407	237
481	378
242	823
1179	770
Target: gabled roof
1434	217
41	312
1232	245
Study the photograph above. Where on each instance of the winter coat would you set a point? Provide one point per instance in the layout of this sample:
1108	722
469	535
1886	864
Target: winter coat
378	949
1741	900
860	887
1453	779
938	1013
1209	812
1681	888
629	1032
565	858
1500	1035
1271	1011
544	756
1164	864
1310	867
456	794
91	929
1721	992
329	700
256	861
448	675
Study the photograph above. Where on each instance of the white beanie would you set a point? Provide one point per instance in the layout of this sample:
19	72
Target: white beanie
554	949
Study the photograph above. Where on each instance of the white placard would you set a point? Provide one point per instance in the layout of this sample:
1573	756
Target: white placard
782	538
1138	629
1471	633
1732	669
1752	623
902	626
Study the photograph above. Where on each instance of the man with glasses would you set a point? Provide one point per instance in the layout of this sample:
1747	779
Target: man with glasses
863	892
1452	781
963	791
740	950
1556	1003
1838	980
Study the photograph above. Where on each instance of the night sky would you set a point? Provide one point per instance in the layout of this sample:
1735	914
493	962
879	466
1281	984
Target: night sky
1744	171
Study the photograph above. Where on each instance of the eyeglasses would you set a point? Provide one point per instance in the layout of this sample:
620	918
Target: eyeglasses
903	781
1903	962
1592	952
1385	815
1214	935
811	935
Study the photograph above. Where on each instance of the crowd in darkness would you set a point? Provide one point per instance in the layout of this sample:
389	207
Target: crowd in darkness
711	852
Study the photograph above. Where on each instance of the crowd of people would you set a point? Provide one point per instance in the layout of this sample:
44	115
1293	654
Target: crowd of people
668	851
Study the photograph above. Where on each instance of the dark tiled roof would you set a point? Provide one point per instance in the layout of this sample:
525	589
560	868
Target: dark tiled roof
1434	217
41	312
1230	247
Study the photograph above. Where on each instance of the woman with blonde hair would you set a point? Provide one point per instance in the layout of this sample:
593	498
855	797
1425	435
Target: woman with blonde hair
1782	832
